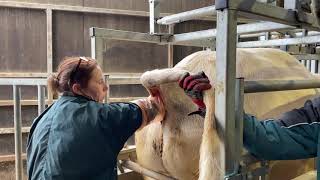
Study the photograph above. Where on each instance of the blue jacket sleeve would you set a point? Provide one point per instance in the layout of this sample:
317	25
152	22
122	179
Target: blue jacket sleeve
122	118
292	136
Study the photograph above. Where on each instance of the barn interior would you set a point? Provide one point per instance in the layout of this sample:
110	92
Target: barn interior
130	37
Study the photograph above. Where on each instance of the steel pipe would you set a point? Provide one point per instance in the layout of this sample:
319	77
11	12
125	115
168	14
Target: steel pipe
188	15
137	168
18	133
279	85
280	42
41	99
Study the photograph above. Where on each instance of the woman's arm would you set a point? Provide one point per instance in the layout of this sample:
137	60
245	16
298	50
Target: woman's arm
293	136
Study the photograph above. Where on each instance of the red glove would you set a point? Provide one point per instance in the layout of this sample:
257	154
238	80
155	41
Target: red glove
193	86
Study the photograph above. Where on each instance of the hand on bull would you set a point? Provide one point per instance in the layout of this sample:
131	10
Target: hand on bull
152	109
193	86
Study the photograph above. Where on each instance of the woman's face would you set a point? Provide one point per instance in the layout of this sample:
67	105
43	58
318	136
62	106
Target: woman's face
97	88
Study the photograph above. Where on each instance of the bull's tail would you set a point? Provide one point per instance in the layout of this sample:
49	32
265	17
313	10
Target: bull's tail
209	167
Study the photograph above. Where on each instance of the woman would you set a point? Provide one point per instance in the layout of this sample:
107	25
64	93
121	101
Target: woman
79	137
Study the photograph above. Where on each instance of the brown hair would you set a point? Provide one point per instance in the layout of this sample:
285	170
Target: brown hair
71	70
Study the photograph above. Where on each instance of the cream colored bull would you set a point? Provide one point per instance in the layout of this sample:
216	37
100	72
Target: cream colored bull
172	147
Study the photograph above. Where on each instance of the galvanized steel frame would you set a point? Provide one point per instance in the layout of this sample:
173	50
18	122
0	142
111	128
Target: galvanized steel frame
229	103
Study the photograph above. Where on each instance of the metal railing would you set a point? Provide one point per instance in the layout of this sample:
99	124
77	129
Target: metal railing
16	83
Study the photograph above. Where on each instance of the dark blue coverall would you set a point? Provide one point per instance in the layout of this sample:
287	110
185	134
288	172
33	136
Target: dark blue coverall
77	138
295	135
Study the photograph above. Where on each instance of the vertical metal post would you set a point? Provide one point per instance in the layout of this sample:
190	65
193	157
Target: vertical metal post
154	10
170	48
225	85
313	66
41	99
107	98
97	49
291	4
49	48
239	101
18	133
308	65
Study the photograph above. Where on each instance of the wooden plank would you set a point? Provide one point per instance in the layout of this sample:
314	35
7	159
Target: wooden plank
68	38
22	75
27	92
7	145
41	6
29	113
22	46
122	56
11	130
57	2
11	158
23	102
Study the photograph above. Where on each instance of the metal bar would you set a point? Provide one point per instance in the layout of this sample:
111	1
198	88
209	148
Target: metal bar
137	168
41	99
225	88
97	47
154	9
314	66
279	85
206	35
18	133
307	56
188	15
239	121
123	35
309	65
49	48
203	38
12	130
170	48
257	10
107	81
23	81
42	6
280	42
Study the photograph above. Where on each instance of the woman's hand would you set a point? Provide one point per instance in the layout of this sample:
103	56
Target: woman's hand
152	109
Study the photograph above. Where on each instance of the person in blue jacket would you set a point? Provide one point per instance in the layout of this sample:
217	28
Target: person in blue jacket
295	135
79	137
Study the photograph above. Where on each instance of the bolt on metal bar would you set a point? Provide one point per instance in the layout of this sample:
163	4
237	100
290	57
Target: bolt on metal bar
41	98
18	133
188	15
279	85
